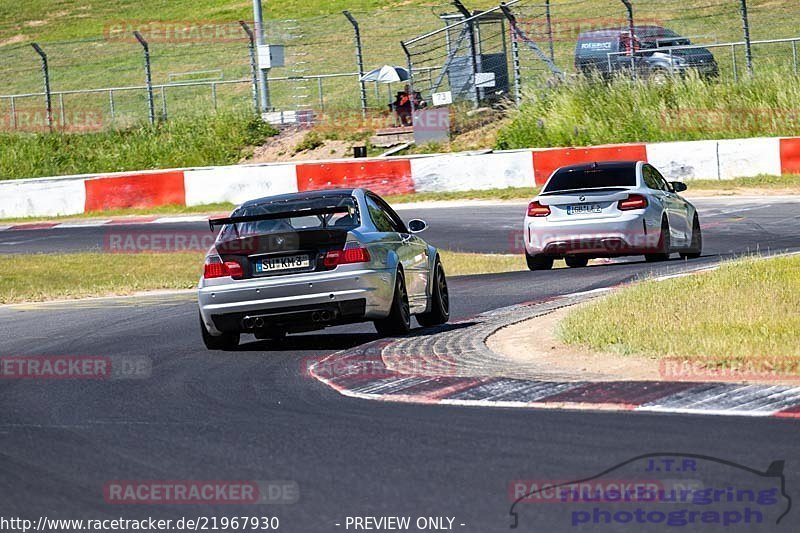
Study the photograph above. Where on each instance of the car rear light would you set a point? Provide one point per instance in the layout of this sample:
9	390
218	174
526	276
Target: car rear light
215	268
634	201
347	256
535	209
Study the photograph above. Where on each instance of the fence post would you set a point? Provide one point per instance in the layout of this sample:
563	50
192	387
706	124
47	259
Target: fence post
253	67
359	61
47	96
111	105
14	112
62	118
632	35
163	103
147	77
514	53
550	31
410	81
748	51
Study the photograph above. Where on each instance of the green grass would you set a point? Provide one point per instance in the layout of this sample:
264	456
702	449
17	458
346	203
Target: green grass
790	182
746	315
510	193
222	207
199	141
34	278
585	112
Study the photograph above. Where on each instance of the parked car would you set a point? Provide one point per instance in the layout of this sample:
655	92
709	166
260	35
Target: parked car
607	51
610	209
305	261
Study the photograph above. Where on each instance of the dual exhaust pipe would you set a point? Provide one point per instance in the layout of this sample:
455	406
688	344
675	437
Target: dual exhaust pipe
321	316
250	322
258	322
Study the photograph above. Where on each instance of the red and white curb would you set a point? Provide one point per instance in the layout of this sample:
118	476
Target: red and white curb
363	373
383	384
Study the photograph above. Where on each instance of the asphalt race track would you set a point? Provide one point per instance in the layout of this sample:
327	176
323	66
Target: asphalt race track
474	228
254	415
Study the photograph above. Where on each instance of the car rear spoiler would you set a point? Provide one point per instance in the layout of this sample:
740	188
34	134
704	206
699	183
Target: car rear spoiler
213	222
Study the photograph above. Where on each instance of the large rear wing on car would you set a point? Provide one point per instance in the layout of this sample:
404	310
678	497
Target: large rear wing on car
294	213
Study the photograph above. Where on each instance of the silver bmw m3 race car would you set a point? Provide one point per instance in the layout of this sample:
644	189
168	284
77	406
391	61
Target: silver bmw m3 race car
610	209
305	261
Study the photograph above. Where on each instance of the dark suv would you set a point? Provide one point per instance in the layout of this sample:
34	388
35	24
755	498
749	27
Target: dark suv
606	51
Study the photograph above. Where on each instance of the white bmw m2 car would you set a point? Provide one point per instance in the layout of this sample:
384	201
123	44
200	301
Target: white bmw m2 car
610	209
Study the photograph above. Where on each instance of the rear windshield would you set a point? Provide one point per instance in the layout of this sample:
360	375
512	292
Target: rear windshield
345	221
591	178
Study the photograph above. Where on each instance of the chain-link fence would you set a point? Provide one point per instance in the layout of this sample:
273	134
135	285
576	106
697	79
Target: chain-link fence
558	39
476	53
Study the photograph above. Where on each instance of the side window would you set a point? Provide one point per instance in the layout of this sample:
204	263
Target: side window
653	179
649	175
663	184
379	216
397	223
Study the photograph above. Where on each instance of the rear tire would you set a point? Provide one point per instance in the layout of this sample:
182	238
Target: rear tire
440	300
696	249
399	320
576	262
539	262
666	245
225	342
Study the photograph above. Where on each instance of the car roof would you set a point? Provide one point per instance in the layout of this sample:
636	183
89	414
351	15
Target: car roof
599	165
304	195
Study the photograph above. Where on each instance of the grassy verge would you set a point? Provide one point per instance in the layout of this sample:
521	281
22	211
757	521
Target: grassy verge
746	315
510	193
34	278
790	182
585	112
222	207
183	142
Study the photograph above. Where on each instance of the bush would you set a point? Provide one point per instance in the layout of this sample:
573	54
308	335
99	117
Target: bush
195	141
587	112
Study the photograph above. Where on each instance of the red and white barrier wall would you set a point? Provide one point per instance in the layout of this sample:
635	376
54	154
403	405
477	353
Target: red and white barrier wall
70	195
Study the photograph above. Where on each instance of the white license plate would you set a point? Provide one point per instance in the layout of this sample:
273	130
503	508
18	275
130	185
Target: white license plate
274	264
583	209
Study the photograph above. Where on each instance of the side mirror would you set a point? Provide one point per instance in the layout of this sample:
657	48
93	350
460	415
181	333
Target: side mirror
678	186
417	226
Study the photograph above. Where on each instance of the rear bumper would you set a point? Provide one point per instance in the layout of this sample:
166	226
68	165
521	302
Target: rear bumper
629	234
290	301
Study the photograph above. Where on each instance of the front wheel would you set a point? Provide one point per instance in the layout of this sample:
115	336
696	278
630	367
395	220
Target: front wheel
225	342
440	300
696	249
399	320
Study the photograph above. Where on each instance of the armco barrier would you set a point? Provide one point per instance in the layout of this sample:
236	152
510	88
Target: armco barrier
135	190
70	195
384	176
237	184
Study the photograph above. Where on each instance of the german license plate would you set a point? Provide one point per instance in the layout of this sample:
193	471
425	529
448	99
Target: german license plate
583	209
275	264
